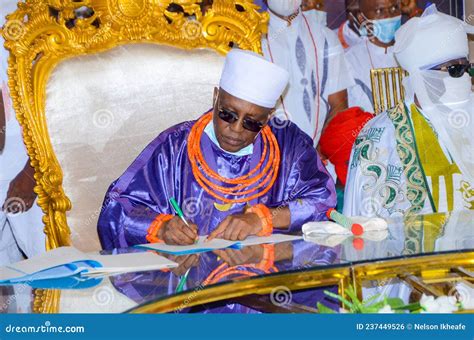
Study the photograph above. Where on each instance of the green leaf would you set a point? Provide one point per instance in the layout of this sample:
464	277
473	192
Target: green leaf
339	298
371	299
410	307
350	291
324	310
394	302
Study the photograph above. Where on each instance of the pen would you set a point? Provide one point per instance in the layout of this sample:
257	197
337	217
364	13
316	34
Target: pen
179	212
182	282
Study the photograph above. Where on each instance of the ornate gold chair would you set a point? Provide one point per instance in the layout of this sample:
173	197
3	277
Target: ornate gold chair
94	81
387	88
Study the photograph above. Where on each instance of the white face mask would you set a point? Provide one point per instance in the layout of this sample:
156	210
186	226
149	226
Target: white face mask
319	17
284	7
458	91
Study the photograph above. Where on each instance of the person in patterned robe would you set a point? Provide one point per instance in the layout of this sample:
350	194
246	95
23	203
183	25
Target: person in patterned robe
417	157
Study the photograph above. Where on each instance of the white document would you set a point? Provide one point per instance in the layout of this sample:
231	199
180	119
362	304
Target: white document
203	246
200	246
274	238
68	261
132	262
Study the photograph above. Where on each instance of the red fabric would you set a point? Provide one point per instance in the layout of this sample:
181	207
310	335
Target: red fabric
339	136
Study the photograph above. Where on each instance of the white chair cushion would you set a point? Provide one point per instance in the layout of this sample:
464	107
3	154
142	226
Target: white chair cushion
103	109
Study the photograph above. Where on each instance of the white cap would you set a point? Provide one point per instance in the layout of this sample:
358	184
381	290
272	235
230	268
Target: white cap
434	38
248	76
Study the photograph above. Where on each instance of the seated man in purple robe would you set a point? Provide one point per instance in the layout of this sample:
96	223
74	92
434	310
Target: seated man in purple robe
235	172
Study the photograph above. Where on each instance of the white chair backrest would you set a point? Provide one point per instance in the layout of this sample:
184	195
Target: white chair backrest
103	109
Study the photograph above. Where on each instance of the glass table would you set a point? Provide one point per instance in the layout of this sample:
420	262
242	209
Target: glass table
420	254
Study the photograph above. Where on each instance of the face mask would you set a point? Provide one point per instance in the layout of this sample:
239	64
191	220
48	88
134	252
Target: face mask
457	91
284	7
319	17
211	133
383	29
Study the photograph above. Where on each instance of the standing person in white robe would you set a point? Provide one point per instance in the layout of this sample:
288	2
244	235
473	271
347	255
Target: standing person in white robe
313	56
418	157
380	20
21	226
348	33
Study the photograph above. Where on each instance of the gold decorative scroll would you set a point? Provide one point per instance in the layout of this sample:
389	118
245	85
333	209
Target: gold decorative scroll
42	33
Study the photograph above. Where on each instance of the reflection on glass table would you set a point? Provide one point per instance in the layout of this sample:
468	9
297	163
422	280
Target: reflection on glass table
286	277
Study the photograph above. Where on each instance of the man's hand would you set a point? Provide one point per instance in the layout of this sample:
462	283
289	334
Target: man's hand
184	262
237	227
20	195
175	231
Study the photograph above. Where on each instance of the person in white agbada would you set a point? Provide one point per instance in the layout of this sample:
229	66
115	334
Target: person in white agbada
312	54
348	33
379	20
21	226
418	157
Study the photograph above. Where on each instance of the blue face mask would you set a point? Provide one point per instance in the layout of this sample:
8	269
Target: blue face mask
211	133
383	29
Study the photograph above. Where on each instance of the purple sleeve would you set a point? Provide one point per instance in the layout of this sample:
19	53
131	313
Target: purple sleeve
141	193
314	191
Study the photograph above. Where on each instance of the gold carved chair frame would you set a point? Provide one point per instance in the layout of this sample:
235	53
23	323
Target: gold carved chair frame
42	33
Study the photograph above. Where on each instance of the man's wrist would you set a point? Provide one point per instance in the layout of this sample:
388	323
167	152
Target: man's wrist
265	216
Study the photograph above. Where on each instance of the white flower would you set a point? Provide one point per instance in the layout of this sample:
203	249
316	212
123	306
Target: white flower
443	304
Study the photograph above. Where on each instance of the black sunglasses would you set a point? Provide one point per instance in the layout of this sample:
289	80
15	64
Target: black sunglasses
231	117
457	70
